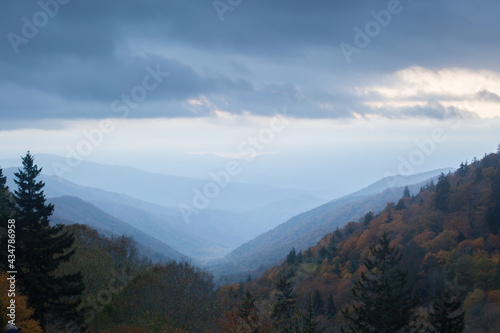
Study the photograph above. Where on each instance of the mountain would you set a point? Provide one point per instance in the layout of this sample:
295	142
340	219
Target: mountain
207	235
447	245
304	230
272	215
70	210
166	190
210	234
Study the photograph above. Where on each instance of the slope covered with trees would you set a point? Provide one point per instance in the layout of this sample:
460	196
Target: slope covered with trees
446	277
306	229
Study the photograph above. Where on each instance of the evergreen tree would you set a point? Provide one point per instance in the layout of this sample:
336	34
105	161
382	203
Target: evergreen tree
478	174
445	315
462	170
300	258
309	324
384	303
285	308
318	304
331	309
247	311
41	249
332	249
443	189
406	192
4	198
493	213
368	217
5	215
291	257
401	204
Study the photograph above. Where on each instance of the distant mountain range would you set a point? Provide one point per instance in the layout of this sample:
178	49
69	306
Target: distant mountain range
306	229
206	235
69	209
246	226
165	190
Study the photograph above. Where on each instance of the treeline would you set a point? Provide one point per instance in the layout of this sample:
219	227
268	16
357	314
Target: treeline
71	279
428	263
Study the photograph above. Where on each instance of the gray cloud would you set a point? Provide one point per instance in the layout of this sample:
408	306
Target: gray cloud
92	52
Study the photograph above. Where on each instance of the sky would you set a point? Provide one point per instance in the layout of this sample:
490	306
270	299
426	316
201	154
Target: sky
319	94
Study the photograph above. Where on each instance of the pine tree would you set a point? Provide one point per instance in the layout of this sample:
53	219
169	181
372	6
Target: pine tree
401	204
332	249
300	258
462	170
4	197
493	213
41	249
247	310
445	316
331	309
285	308
406	192
318	304
291	257
442	197
368	217
384	302
309	324
5	215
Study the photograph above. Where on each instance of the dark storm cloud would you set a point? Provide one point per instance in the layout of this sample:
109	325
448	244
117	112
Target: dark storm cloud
82	58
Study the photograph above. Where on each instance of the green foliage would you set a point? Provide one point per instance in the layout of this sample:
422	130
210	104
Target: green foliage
317	303
445	315
462	170
331	309
493	215
291	257
309	324
247	311
4	197
406	192
442	195
368	217
383	300
41	249
284	311
173	294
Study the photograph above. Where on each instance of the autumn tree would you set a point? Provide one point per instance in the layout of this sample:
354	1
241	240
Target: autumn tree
41	249
384	302
24	314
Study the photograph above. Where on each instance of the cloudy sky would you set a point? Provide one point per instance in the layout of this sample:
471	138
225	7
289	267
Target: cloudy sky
324	87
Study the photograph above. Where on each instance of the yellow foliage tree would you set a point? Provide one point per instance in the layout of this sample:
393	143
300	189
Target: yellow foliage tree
23	312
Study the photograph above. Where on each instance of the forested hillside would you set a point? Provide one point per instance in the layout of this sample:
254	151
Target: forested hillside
307	228
449	264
